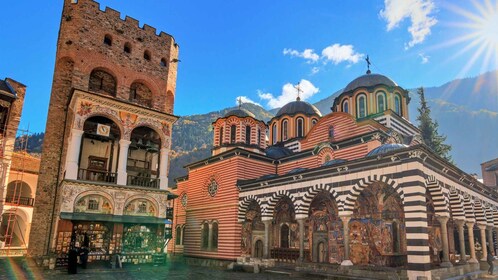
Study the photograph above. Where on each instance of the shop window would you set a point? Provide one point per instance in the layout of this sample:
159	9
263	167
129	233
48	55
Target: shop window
233	133
214	241
142	238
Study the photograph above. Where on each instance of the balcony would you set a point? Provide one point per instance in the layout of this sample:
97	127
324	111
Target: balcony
22	201
97	176
143	181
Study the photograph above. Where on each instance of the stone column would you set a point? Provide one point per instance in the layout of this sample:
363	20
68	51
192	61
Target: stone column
73	154
122	161
483	242
266	245
461	239
443	220
345	227
301	238
490	239
163	169
470	227
210	237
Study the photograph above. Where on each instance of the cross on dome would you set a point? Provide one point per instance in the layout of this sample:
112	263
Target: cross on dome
368	64
239	100
299	90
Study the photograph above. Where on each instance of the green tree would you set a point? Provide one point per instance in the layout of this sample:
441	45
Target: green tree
428	129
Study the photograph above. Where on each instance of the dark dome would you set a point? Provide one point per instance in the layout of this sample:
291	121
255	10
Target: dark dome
277	152
334	162
369	80
298	106
239	112
386	148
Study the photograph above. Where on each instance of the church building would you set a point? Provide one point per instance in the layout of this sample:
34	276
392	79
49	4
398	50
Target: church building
355	188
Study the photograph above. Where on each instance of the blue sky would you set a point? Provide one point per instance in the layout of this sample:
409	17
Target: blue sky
255	48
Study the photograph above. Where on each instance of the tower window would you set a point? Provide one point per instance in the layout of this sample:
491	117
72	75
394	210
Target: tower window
361	107
108	40
147	55
221	136
163	62
381	102
345	106
233	133
397	104
300	127
274	133
127	47
259	137
248	135
284	130
103	82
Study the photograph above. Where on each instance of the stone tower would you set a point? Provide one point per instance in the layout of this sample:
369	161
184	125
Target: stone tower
111	103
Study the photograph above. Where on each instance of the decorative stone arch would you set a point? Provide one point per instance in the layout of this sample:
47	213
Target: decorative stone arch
135	85
468	208
18	212
355	192
20	189
152	125
456	205
146	197
99	193
244	205
307	198
272	202
479	212
107	71
80	120
440	200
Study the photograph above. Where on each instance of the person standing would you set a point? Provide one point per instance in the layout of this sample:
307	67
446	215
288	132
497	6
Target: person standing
490	260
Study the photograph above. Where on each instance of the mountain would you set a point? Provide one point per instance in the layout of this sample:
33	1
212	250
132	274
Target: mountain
466	109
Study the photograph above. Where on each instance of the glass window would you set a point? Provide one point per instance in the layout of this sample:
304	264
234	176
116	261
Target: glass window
361	106
214	240
284	130
233	133
300	127
178	235
205	235
221	136
345	106
248	135
381	102
274	133
397	104
259	137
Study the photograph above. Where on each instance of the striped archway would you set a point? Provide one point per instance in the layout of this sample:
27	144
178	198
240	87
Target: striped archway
350	200
272	202
456	205
308	197
244	205
479	212
439	198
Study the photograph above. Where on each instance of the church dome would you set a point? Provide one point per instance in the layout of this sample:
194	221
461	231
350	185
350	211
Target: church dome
369	80
386	148
239	112
298	106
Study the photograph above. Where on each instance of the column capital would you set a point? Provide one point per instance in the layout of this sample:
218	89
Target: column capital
470	224
123	141
301	217
460	223
345	219
489	227
164	150
442	219
76	131
481	226
267	222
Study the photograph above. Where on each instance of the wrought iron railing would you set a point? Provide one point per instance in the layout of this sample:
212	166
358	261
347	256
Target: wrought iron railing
26	201
143	181
97	176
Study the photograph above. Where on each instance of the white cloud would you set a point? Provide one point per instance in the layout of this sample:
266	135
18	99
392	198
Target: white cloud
419	12
337	53
308	54
289	93
424	58
314	70
245	99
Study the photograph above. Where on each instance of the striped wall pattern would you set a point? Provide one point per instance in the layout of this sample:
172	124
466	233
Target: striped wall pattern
244	205
479	212
304	207
267	212
457	206
469	209
489	216
440	200
495	217
350	199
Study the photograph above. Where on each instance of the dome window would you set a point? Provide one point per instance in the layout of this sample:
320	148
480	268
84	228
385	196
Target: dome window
299	127
259	137
381	102
397	104
285	133
233	133
248	135
361	107
221	136
274	133
345	106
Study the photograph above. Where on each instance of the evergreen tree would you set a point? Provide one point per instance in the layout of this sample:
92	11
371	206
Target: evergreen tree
428	129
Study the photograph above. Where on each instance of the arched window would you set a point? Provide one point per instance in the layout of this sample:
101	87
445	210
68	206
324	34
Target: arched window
299	127
205	235
146	55
331	131
102	82
397	104
214	236
127	47
259	136
178	235
274	133
108	40
248	135
233	133
284	236
381	102
396	237
221	136
313	122
163	62
284	130
361	106
345	106
140	93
